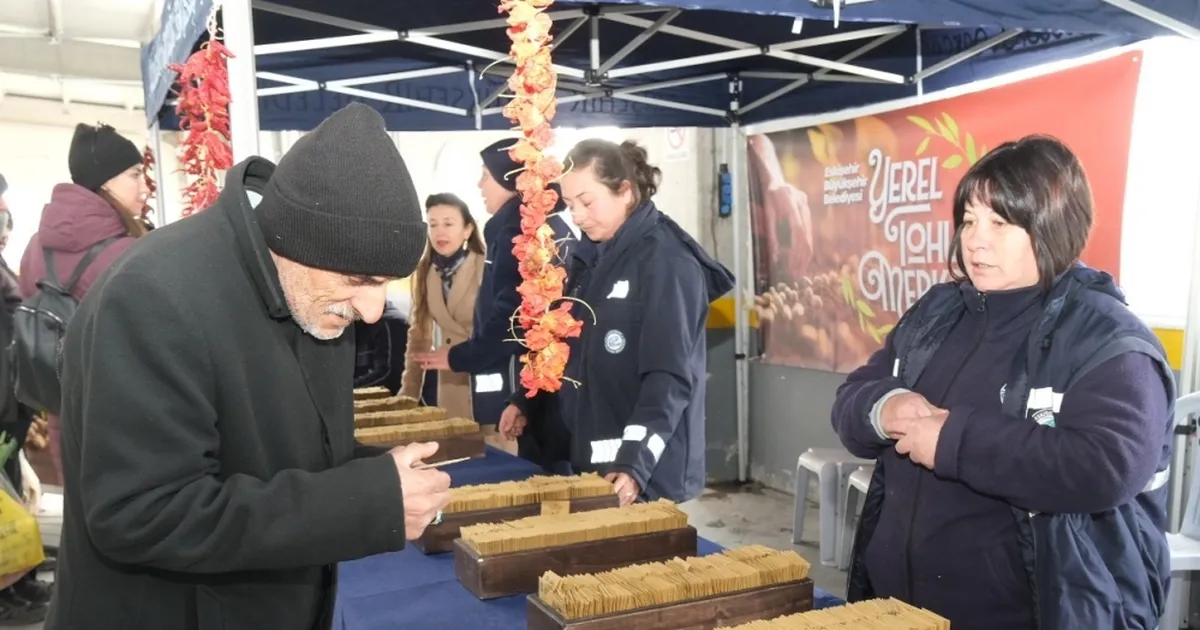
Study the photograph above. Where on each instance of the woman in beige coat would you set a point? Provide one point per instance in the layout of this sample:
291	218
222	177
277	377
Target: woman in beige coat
444	287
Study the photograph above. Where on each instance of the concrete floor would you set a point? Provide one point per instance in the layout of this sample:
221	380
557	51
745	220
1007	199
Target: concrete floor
735	515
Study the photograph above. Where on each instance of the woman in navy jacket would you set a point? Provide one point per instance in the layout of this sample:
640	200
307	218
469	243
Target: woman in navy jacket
1021	420
637	414
490	356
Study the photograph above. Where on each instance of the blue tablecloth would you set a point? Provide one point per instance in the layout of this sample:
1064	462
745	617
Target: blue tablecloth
410	590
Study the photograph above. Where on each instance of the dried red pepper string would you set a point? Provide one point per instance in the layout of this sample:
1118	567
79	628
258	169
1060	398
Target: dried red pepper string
148	172
203	110
532	107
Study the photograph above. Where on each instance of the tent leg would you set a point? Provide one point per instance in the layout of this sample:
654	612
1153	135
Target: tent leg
160	205
736	147
243	85
1189	381
920	66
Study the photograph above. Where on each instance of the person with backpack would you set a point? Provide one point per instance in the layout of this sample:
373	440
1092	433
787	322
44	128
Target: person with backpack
85	227
23	598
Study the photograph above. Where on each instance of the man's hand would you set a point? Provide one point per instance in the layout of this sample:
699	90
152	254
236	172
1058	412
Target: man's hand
512	423
900	410
921	438
625	487
425	492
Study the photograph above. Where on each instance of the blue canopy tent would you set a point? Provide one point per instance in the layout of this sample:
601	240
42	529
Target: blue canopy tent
704	63
640	63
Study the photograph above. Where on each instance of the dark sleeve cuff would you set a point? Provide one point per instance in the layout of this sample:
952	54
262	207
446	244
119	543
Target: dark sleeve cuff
945	457
629	470
389	522
523	403
457	358
368	450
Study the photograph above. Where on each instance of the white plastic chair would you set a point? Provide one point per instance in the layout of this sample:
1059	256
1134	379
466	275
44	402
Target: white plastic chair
1185	546
832	467
856	489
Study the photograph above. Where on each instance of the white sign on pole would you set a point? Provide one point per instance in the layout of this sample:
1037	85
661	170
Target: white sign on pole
677	144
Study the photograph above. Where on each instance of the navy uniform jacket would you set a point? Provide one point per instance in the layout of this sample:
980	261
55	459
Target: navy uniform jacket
641	364
491	355
1075	447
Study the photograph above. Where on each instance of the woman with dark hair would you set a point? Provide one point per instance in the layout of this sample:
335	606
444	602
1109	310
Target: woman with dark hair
637	414
99	210
444	287
1020	418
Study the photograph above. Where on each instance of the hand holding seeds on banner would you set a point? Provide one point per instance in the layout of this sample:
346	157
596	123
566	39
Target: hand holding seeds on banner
784	208
853	221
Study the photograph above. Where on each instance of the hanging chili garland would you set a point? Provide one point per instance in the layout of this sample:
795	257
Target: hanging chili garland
148	176
148	172
532	108
203	111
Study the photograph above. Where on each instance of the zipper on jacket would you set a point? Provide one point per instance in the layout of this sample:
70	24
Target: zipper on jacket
912	516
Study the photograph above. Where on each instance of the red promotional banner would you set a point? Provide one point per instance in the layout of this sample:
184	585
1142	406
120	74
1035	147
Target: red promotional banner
852	220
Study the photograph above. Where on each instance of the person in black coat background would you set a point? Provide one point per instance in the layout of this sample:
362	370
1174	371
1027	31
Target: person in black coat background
25	601
491	354
637	413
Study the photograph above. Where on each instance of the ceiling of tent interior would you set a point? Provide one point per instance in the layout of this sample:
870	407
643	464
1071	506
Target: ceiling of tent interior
75	50
303	84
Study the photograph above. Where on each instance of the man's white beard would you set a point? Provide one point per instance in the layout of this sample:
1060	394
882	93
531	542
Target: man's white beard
315	331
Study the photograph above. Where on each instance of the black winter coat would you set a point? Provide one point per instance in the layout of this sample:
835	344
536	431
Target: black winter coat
208	444
492	355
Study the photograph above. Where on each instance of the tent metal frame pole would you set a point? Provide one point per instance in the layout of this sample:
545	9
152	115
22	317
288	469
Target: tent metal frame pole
958	58
740	49
1189	383
476	51
804	79
598	71
919	78
638	40
594	42
321	43
1150	15
396	76
160	208
658	102
296	84
483	25
398	100
238	22
635	89
742	250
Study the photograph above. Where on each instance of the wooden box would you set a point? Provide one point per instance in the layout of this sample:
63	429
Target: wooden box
440	538
450	447
501	575
700	614
456	447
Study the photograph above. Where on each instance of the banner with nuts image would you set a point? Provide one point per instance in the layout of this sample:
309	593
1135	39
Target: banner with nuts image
852	220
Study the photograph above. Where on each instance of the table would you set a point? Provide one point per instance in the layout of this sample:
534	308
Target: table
417	592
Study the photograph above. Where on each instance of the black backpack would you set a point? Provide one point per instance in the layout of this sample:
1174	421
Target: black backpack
39	325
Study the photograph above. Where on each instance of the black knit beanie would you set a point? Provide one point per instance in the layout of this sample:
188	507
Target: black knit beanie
342	200
497	161
502	167
98	154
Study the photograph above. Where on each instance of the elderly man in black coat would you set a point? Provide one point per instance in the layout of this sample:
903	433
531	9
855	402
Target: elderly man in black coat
212	476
